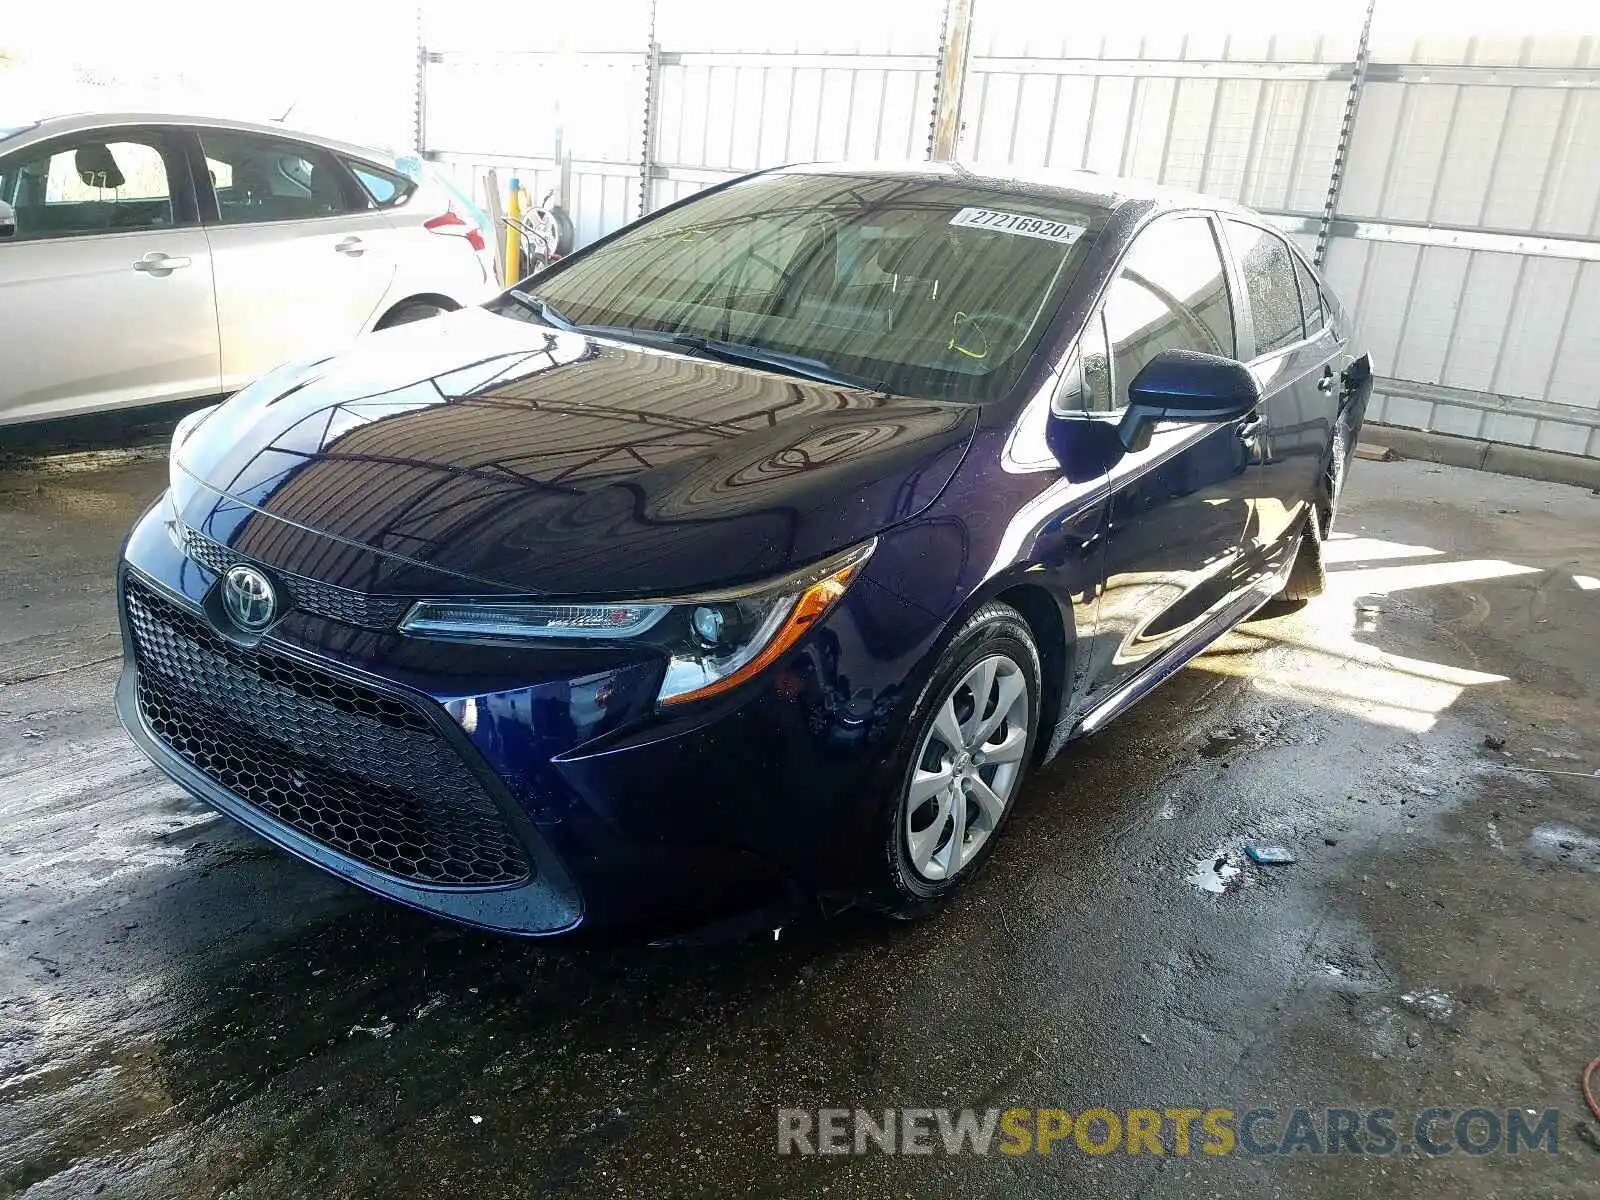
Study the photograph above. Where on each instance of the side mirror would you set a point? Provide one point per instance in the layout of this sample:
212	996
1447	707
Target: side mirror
1185	385
8	220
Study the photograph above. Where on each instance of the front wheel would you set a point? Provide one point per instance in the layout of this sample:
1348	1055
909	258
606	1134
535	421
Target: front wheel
965	754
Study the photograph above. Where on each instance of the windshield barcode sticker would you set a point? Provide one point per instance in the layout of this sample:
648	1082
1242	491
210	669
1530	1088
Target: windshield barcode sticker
1023	226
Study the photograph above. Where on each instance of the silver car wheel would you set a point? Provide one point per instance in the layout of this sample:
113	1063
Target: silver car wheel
967	768
419	311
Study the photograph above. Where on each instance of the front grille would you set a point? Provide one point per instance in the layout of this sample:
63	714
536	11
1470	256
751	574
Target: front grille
309	595
362	772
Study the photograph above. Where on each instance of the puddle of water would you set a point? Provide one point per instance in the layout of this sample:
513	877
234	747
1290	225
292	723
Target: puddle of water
1368	617
1436	1006
1219	873
1565	845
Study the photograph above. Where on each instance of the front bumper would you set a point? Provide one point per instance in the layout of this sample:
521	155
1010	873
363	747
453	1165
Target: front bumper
529	891
623	816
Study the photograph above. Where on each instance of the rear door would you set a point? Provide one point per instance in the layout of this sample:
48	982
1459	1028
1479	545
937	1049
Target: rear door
302	259
105	282
1293	355
435	239
1180	507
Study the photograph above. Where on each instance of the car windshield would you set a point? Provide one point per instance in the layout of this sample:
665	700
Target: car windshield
925	288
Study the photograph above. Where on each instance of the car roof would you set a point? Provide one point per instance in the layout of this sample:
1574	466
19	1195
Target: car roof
1083	189
67	123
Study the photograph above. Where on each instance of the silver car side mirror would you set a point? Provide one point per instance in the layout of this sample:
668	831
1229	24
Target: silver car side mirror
8	220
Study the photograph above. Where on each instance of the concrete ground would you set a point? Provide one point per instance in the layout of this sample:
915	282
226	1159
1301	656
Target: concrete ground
184	1012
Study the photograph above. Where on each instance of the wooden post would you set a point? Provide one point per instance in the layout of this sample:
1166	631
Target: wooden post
491	184
955	48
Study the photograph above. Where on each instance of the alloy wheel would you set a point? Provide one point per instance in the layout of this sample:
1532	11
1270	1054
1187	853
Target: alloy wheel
967	768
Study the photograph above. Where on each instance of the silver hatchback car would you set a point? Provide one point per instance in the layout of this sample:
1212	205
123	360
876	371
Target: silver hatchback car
146	259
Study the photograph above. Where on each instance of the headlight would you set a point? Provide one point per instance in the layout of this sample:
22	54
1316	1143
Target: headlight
712	642
442	618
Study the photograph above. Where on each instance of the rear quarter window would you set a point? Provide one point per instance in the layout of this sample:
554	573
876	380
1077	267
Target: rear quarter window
1311	304
386	189
1268	267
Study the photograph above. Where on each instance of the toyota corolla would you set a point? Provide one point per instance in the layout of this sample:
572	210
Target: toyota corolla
750	557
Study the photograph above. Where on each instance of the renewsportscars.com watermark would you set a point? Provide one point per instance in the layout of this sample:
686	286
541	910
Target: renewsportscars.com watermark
1431	1132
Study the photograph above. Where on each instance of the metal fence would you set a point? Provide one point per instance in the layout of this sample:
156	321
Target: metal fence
1448	178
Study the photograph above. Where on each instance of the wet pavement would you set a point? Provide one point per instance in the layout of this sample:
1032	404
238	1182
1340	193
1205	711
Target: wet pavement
184	1012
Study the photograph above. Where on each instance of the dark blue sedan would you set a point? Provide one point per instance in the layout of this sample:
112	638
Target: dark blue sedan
749	557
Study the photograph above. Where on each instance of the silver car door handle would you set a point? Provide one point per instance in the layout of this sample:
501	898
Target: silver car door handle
157	263
351	245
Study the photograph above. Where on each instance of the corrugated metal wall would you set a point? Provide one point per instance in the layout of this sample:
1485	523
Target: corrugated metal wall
1471	211
1251	117
556	100
1466	232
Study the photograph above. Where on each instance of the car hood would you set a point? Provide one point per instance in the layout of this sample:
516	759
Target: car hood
478	452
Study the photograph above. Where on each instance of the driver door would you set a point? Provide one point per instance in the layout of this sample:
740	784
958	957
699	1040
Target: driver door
105	276
1178	509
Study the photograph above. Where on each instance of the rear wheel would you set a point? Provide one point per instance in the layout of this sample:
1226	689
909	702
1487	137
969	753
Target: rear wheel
408	311
1308	578
966	753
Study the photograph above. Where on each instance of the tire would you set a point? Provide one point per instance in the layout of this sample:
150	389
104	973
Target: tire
566	236
408	311
566	232
917	832
1308	578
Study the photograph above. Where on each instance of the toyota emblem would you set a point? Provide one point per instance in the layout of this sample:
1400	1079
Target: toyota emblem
249	599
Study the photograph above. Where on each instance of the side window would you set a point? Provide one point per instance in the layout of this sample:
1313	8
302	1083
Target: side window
96	184
258	178
1310	298
386	189
1269	283
1171	294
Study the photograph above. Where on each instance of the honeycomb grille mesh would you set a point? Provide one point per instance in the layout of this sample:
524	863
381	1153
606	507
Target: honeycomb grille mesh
309	595
364	773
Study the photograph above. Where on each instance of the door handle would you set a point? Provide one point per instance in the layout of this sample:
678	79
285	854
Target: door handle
352	246
1325	384
157	263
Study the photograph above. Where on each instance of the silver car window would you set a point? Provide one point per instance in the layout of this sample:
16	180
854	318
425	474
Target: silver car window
258	178
109	182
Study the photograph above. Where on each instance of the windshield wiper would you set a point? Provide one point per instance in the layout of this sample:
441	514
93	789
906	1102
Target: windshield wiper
732	352
544	310
556	319
771	360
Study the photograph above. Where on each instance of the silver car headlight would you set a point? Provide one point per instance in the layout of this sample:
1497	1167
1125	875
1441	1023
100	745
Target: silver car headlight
713	642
